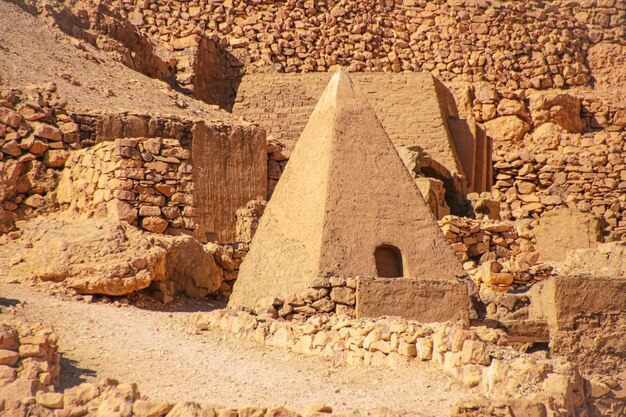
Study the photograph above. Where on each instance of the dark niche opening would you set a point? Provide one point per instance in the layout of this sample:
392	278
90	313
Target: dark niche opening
388	262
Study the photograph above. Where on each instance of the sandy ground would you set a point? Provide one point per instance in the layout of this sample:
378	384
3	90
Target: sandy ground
157	350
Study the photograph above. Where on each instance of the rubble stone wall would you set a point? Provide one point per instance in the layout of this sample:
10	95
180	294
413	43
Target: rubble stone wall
38	135
30	365
146	182
587	172
531	44
556	149
498	255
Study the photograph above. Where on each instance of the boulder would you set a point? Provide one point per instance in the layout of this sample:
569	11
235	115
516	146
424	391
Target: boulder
507	129
110	257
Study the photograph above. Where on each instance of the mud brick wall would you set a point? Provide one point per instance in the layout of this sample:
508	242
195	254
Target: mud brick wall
519	44
146	182
413	108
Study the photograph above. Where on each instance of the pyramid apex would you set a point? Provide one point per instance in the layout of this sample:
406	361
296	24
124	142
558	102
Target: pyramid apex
341	91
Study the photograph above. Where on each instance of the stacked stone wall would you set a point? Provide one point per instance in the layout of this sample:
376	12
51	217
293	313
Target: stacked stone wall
38	135
588	173
518	44
556	149
503	378
498	255
29	365
146	182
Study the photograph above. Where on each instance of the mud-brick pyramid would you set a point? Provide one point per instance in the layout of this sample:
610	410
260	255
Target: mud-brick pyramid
344	193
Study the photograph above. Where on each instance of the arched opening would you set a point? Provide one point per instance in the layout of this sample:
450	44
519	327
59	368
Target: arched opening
388	262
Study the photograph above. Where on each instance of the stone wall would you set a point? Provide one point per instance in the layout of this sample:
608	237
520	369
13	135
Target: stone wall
505	379
531	44
498	255
556	149
146	182
29	365
37	136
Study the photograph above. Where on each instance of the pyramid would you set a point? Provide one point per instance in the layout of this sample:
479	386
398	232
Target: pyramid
344	193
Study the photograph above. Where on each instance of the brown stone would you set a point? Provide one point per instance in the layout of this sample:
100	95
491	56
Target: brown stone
507	129
49	399
154	224
55	158
10	117
47	132
8	357
555	107
8	338
142	408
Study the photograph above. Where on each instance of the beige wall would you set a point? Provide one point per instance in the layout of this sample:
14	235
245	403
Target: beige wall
229	169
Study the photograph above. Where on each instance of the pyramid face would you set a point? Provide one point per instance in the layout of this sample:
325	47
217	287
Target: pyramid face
344	193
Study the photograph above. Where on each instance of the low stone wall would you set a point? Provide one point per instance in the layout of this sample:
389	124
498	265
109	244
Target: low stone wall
146	182
327	295
29	366
508	381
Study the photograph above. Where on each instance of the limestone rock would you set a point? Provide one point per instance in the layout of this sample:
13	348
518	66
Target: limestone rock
109	257
507	129
606	260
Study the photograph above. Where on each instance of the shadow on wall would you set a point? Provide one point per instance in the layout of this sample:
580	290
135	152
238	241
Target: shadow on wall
217	74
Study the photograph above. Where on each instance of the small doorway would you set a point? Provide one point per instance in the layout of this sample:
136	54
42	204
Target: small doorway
388	261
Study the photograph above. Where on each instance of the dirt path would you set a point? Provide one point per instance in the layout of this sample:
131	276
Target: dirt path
153	349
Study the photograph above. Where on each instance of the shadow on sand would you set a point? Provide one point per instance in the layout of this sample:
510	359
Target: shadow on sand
72	375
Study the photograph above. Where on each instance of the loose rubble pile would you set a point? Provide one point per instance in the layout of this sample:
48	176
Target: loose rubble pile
477	357
530	45
146	182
